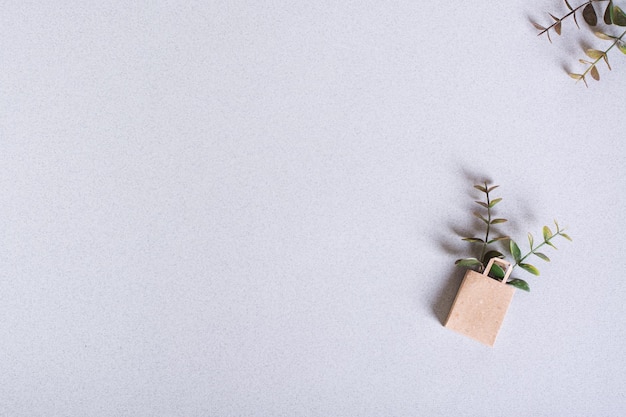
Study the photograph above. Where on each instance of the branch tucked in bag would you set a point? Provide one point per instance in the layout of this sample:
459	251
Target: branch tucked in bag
488	252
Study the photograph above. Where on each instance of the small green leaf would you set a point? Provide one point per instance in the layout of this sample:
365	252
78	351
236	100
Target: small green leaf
480	203
495	239
497	271
622	47
619	17
492	254
551	244
481	188
577	77
529	268
517	254
519	283
494	202
590	16
496	221
493	187
481	218
566	236
468	262
542	256
473	240
530	240
556	224
547	233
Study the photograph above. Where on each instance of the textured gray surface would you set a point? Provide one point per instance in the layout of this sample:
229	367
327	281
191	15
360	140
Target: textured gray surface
230	209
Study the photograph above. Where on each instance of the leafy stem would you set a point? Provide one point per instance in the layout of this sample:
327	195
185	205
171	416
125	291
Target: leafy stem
598	55
482	252
557	21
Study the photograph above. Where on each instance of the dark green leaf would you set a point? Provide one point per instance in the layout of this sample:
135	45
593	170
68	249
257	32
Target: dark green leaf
619	17
480	203
530	240
547	233
468	262
608	13
566	236
492	254
542	256
497	271
589	14
519	283
495	239
529	268
494	202
481	188
493	187
496	221
473	240
517	254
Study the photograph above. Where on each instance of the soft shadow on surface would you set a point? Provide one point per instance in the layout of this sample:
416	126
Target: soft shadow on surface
445	296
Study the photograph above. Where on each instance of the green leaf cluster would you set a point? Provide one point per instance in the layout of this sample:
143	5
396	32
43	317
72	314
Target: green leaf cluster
613	15
488	252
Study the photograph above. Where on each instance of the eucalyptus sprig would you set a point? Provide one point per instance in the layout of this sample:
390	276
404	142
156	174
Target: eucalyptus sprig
613	15
519	259
485	255
487	252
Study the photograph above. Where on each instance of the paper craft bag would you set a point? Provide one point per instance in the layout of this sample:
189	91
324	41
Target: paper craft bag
481	304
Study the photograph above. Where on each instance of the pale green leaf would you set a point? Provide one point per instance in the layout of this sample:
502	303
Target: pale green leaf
496	221
530	268
494	202
547	233
594	53
542	256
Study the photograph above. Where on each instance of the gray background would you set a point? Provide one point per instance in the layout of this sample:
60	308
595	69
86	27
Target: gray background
253	208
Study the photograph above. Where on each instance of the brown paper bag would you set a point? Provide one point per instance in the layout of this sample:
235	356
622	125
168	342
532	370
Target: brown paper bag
481	304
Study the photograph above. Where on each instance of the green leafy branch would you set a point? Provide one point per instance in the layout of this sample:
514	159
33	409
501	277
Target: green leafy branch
534	250
485	255
613	15
488	253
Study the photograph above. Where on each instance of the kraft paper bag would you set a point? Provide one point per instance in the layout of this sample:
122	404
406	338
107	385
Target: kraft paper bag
481	304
